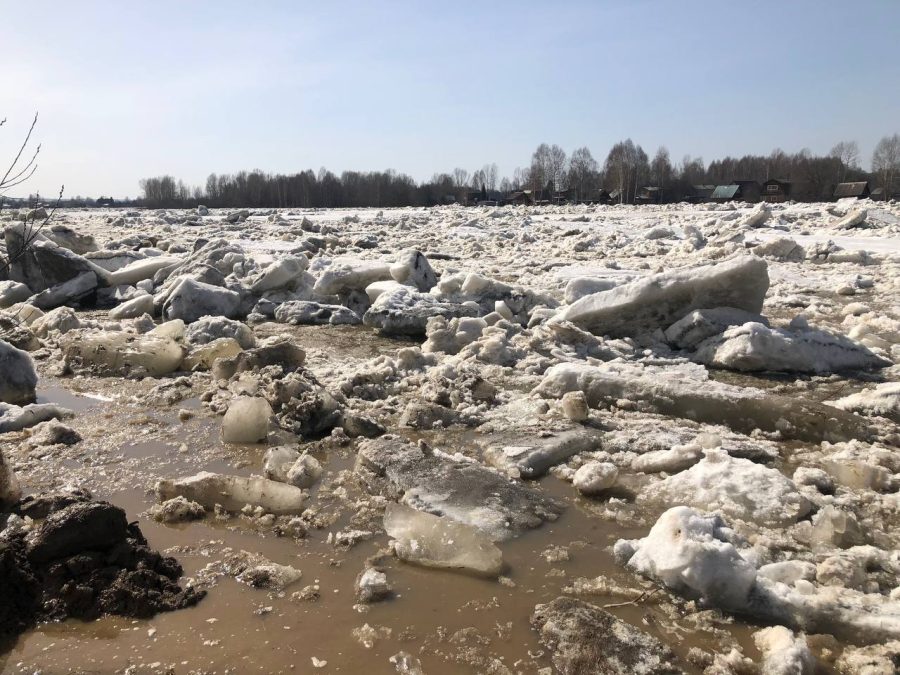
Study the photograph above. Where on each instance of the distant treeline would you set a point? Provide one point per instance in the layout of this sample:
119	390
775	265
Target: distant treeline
551	174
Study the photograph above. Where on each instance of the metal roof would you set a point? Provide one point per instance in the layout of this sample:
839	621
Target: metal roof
851	189
725	191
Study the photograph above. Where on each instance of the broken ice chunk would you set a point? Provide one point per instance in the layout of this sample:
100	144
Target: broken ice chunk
270	575
883	400
278	461
595	477
659	300
689	331
833	527
677	458
737	487
433	541
15	418
247	420
413	269
346	275
755	347
19	378
532	456
575	407
691	553
10	492
783	652
372	585
683	391
233	493
177	510
120	353
203	356
304	472
465	491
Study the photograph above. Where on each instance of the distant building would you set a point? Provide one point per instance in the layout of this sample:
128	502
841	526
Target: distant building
519	197
105	201
651	194
564	196
615	196
877	194
483	198
776	190
598	196
737	191
860	190
699	193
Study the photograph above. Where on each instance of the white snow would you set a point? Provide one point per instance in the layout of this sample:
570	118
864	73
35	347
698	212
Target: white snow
737	488
691	553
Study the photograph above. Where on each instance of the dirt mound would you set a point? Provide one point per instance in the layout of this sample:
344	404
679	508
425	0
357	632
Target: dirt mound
84	560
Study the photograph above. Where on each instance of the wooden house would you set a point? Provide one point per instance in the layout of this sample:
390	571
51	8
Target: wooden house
697	194
598	196
519	197
651	194
859	189
737	191
776	190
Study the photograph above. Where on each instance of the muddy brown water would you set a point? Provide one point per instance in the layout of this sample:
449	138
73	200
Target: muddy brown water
452	622
432	615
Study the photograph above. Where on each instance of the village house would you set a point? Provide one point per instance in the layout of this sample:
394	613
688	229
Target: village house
519	198
859	189
651	195
736	191
776	190
697	194
598	196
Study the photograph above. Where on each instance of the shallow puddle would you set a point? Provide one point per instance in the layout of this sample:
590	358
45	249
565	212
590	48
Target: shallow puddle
452	622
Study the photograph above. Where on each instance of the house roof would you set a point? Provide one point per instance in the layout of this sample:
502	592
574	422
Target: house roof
780	181
851	189
518	194
725	191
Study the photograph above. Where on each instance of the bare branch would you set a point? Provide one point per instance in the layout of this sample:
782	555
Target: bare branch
19	154
19	182
31	165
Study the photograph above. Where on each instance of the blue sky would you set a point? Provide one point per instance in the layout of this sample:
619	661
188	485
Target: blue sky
133	89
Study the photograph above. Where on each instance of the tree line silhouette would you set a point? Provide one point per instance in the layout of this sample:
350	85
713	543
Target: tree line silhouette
626	169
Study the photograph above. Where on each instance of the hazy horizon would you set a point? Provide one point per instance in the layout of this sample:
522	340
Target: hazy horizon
126	92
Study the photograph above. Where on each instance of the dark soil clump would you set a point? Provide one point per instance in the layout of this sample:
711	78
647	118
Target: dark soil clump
83	561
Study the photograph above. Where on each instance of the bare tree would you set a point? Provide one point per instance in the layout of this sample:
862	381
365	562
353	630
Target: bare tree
847	152
36	219
661	169
626	166
490	176
478	179
886	162
519	178
537	172
617	168
460	178
548	165
556	167
583	170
